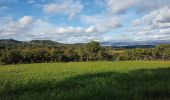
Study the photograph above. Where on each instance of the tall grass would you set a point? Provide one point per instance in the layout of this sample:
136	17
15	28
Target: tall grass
86	81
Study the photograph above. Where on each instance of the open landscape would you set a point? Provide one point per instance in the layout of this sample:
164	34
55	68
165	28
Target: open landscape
47	70
84	49
135	80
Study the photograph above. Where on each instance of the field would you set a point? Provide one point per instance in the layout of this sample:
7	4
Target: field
131	80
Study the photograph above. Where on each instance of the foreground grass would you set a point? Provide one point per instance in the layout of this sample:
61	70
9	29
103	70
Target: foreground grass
86	81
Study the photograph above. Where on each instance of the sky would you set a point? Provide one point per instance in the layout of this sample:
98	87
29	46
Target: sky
81	21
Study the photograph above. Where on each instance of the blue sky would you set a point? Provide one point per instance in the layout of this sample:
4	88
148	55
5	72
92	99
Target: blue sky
74	21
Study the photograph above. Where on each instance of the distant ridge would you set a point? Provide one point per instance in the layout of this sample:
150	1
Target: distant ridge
134	43
9	41
40	43
43	42
118	44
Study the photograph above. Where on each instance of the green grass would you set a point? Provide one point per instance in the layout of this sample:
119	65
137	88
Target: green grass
136	80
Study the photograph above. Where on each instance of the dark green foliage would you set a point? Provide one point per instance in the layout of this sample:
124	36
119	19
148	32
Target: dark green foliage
93	47
46	51
11	57
56	55
38	51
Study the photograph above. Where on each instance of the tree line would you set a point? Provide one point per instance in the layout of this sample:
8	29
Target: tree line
92	51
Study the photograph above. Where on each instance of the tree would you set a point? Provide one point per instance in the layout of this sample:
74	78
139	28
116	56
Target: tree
11	57
159	51
56	54
104	55
71	54
41	54
167	53
92	48
27	55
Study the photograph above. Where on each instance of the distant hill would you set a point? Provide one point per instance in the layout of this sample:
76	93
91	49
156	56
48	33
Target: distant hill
11	43
43	41
135	44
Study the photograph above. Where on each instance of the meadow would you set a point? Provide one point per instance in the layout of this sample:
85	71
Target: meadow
130	80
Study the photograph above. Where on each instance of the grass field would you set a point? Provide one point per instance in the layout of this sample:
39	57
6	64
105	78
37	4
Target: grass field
136	80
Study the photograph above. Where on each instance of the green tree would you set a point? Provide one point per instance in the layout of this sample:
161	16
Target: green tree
167	53
11	57
71	54
92	48
56	54
159	51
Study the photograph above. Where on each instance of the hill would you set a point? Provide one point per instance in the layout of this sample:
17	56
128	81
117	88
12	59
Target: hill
50	43
11	43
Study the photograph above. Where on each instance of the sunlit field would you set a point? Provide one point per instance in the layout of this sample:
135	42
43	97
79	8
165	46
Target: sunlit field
129	80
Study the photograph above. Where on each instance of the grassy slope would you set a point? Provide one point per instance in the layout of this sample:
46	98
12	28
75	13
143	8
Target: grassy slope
86	81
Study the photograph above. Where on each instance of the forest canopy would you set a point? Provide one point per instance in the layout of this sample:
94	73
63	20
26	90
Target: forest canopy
14	52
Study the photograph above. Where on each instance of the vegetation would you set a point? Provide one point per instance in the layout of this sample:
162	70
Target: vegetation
131	80
36	51
101	80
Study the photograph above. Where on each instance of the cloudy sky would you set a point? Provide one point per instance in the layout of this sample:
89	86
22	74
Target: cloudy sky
73	21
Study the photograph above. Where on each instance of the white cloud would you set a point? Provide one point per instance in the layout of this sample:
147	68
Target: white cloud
27	28
155	25
75	30
159	18
26	20
119	6
68	7
151	5
165	31
163	16
11	27
108	38
103	22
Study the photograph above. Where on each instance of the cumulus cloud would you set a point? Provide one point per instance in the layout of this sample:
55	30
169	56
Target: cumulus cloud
150	5
159	18
165	31
28	28
68	7
103	22
11	27
140	6
26	20
119	6
155	25
131	19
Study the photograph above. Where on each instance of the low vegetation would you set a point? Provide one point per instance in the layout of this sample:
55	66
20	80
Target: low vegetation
131	80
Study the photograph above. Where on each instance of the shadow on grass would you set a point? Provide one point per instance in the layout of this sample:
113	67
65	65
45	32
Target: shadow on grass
139	84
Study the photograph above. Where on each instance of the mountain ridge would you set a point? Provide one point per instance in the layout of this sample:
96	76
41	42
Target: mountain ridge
116	44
